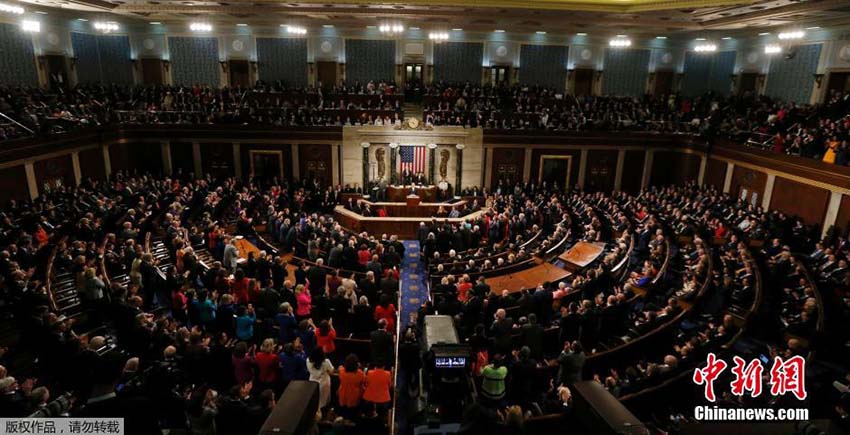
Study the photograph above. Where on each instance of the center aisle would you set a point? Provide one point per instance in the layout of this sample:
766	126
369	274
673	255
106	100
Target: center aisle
413	284
413	291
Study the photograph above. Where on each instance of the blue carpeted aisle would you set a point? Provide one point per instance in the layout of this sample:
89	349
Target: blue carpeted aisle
413	292
413	287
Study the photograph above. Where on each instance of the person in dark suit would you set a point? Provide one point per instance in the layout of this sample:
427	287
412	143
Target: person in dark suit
570	363
136	410
501	330
531	335
481	287
382	345
422	234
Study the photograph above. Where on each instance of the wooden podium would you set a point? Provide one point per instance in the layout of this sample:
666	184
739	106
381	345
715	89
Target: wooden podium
412	200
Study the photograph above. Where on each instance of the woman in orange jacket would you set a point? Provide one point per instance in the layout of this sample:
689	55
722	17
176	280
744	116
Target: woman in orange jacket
350	389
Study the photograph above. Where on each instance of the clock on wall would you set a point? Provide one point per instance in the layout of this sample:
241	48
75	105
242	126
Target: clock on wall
412	123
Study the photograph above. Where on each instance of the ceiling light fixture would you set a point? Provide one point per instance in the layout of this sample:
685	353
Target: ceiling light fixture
106	27
155	23
772	49
621	36
295	30
813	28
764	33
457	30
438	36
705	48
31	26
660	37
11	9
391	29
620	43
41	12
726	38
796	34
414	28
82	19
700	39
200	27
499	31
241	25
540	32
581	34
328	26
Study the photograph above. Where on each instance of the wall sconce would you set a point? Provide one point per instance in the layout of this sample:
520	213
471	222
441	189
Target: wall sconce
819	79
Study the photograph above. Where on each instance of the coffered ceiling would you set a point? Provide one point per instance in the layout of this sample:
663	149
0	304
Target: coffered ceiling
602	17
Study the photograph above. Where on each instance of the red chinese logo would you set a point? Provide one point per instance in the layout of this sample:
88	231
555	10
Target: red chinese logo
714	367
747	377
786	376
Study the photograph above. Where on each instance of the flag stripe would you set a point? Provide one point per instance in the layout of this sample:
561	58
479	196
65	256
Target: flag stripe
413	158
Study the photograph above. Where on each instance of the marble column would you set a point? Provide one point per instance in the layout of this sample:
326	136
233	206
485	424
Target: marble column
768	191
107	162
727	183
582	168
196	160
831	212
295	163
165	152
618	173
647	169
75	164
32	185
237	160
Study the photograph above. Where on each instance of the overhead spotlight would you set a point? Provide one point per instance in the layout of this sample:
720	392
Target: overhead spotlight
797	34
705	48
438	36
106	27
31	26
200	27
11	9
620	43
295	30
772	49
391	29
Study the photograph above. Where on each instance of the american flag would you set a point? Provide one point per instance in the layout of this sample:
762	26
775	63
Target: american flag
412	158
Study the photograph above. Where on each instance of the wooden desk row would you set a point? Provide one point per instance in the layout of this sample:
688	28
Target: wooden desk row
403	227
